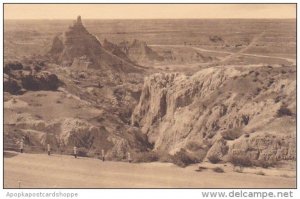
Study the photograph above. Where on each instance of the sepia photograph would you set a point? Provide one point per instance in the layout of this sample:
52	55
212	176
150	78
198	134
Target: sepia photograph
99	96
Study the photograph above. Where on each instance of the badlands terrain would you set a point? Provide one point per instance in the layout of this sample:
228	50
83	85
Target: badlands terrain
214	100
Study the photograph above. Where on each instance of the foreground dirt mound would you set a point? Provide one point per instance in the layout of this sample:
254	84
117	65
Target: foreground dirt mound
229	109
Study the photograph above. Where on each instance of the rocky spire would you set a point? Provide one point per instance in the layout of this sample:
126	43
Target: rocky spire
79	20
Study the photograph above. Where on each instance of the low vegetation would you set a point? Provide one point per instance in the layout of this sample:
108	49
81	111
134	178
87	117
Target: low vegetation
201	168
244	161
218	170
235	133
214	159
182	158
260	173
146	157
283	111
241	161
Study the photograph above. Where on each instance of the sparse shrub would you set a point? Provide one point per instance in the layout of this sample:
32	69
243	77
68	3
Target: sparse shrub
285	176
277	99
283	71
241	161
58	102
41	95
214	159
165	158
38	116
238	169
265	163
244	161
218	170
271	81
193	146
12	66
146	157
260	173
81	75
100	119
37	68
257	91
182	158
83	152
201	168
232	134
283	111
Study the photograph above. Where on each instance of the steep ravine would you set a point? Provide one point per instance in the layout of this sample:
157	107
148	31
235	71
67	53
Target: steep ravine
225	110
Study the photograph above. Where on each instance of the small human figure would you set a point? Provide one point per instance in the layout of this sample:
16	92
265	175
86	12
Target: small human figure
75	151
129	157
103	155
61	147
48	149
22	146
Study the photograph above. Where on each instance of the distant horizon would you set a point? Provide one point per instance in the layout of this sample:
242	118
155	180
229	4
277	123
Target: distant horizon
85	19
149	11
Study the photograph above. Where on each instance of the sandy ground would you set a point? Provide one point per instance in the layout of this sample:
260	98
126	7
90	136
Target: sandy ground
60	171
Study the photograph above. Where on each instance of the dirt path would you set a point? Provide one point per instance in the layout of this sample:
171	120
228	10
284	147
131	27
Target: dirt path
42	171
240	52
231	55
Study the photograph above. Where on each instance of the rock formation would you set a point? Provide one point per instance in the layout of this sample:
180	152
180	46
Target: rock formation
115	49
81	50
63	134
233	110
21	78
140	52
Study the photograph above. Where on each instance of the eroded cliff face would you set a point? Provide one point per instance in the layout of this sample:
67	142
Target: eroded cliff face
226	110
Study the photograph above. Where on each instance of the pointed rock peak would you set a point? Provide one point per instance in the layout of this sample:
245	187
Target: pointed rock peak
78	23
79	20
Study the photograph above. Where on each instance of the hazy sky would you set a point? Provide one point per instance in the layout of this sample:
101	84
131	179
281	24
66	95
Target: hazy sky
148	11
